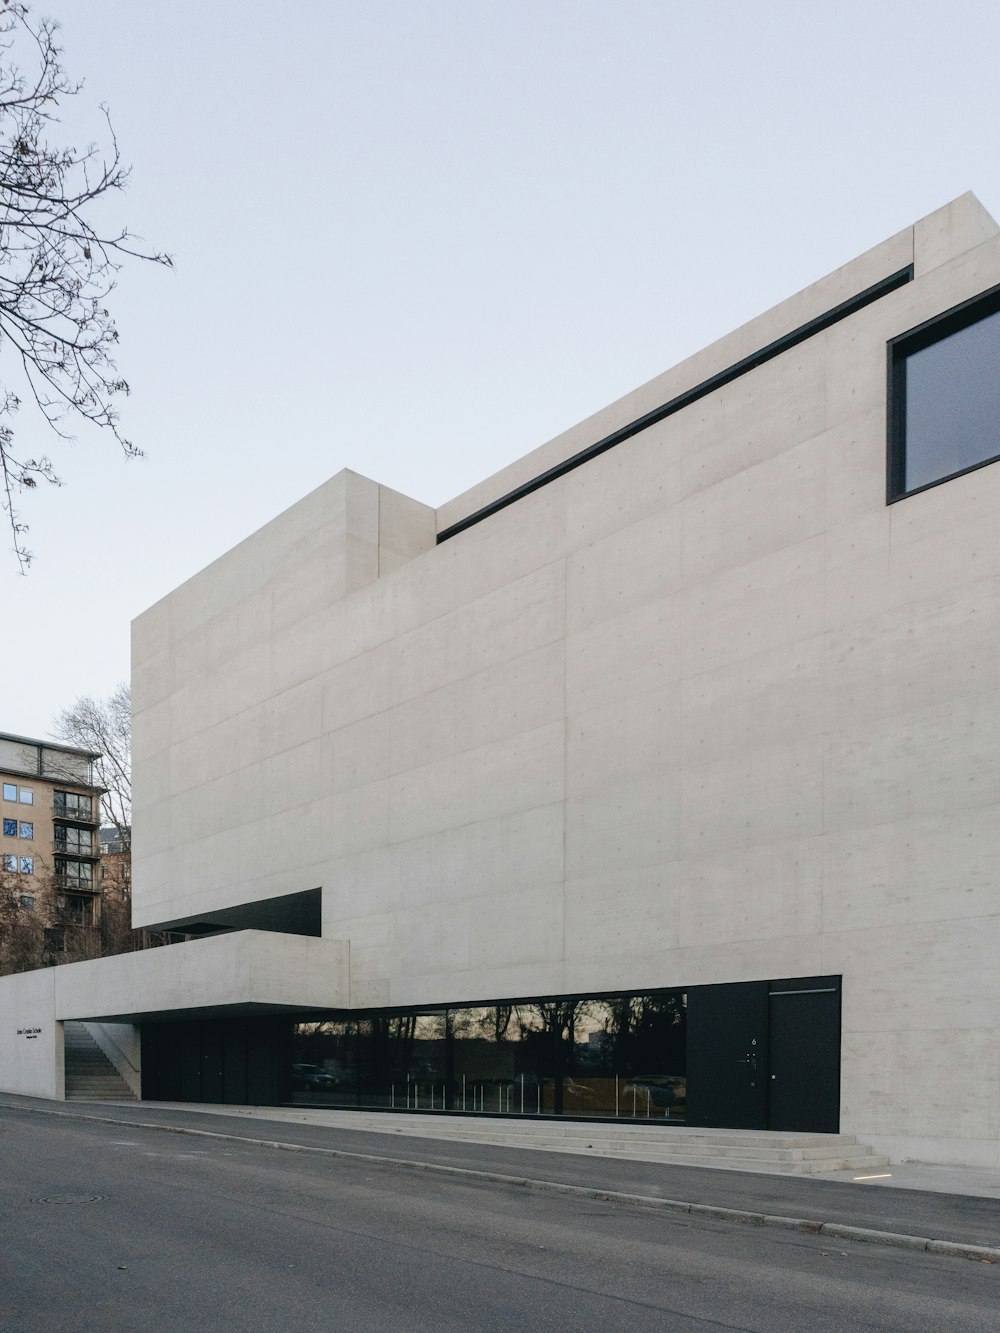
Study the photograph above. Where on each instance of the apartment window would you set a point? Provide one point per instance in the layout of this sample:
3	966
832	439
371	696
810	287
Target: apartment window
78	911
9	791
27	901
27	829
75	872
9	862
27	865
71	805
10	828
26	796
944	397
77	841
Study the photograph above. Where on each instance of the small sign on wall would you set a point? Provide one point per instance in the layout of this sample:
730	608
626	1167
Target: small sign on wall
29	1033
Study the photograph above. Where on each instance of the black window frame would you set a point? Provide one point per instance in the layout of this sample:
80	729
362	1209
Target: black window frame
67	805
901	347
70	872
69	840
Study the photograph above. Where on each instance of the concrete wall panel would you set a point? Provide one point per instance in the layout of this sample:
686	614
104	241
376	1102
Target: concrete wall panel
31	1039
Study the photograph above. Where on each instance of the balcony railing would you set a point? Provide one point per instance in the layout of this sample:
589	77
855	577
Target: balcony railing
67	884
82	812
64	848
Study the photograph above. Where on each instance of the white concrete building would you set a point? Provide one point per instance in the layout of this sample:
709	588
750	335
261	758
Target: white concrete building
654	777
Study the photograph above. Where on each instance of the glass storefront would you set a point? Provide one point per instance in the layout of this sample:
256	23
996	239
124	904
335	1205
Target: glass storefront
739	1055
612	1057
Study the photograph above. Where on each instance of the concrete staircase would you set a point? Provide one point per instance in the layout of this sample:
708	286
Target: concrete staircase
90	1075
732	1149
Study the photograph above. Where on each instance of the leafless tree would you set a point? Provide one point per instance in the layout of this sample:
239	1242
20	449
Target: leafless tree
40	925
104	726
58	262
22	941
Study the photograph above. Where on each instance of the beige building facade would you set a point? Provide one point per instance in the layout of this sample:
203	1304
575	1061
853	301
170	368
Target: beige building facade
49	848
673	742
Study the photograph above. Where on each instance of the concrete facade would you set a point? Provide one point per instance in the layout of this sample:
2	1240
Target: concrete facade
704	709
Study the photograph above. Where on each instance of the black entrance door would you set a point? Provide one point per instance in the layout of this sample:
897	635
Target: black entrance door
727	1071
804	1041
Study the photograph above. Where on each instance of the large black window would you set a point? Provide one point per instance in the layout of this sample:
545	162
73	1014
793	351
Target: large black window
944	405
619	1056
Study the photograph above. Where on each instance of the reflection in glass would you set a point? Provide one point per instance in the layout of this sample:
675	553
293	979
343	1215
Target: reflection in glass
625	1056
501	1059
402	1061
322	1064
614	1057
953	403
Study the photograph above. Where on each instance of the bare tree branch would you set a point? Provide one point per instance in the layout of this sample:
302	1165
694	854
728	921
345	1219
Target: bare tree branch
57	266
104	726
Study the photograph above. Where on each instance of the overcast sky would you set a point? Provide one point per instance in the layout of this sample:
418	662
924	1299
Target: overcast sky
418	238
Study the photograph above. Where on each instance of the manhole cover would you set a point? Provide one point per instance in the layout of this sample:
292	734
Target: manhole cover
71	1198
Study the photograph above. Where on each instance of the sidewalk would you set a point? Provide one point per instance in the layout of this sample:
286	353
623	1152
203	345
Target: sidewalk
940	1179
946	1204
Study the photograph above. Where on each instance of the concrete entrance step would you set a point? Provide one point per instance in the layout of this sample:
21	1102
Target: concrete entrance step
90	1075
742	1150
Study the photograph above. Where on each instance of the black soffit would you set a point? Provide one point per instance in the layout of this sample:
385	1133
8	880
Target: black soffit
739	368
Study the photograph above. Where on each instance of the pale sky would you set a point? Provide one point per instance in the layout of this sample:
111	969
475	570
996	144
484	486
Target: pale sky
418	238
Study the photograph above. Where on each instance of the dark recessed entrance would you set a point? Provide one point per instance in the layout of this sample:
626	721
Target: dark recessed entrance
228	1061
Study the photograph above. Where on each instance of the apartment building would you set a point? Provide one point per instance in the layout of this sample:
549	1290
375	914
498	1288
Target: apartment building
49	845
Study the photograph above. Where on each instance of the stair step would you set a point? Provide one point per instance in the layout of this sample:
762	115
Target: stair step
734	1150
90	1075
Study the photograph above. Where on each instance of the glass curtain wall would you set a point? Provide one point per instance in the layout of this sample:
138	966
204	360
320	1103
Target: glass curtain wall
610	1057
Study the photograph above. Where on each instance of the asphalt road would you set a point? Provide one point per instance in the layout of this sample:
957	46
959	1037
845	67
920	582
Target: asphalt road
114	1228
954	1217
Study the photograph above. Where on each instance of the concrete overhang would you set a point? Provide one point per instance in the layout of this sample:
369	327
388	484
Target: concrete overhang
245	972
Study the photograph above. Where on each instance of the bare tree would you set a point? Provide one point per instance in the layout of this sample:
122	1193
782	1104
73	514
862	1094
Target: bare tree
41	925
58	263
104	726
22	937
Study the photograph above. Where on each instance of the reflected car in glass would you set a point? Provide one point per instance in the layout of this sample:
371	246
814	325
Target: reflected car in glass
311	1076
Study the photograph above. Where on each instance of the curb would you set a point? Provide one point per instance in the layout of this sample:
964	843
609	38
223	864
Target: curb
836	1230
